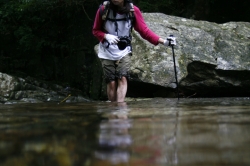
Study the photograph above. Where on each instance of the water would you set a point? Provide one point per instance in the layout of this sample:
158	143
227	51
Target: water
157	132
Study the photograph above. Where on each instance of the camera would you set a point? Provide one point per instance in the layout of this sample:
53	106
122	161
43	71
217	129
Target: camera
124	42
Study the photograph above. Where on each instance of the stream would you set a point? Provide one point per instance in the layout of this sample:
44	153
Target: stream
140	132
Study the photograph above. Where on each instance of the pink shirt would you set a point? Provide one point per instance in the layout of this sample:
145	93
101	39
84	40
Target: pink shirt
139	25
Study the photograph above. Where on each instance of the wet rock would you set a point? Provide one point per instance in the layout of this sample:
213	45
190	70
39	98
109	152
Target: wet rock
29	90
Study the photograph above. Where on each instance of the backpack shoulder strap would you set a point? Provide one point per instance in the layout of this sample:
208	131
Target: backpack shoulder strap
132	15
132	10
104	10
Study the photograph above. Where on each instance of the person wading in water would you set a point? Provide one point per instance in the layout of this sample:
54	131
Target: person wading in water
113	23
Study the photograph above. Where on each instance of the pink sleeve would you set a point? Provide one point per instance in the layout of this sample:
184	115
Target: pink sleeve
141	27
97	28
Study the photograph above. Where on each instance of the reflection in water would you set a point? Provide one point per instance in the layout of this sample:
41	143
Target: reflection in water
155	132
154	139
114	138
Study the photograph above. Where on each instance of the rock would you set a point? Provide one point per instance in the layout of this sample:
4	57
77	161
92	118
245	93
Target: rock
15	90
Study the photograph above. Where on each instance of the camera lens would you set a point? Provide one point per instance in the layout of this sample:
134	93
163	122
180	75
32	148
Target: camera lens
122	44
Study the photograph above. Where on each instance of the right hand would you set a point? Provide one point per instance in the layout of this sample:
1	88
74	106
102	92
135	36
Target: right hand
112	39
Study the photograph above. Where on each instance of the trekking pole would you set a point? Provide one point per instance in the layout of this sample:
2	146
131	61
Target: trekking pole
175	68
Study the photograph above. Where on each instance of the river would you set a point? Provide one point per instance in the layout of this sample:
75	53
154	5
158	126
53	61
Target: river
148	132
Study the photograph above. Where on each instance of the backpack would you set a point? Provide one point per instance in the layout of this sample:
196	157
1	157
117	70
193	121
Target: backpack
104	12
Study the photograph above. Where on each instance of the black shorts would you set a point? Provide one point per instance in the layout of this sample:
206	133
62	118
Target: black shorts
113	70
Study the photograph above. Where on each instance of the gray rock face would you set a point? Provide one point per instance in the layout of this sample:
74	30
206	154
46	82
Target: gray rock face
212	59
29	90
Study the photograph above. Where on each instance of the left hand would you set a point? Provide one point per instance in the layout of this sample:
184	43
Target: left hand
170	41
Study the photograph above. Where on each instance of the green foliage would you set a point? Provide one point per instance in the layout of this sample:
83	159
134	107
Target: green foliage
36	27
48	39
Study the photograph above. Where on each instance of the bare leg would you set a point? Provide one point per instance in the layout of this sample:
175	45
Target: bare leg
122	89
111	91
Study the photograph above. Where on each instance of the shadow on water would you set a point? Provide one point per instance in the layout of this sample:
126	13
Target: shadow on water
152	132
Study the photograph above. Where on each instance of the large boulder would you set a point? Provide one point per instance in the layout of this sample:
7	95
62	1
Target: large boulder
211	59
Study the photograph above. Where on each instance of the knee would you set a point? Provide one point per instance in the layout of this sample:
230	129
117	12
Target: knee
112	84
123	80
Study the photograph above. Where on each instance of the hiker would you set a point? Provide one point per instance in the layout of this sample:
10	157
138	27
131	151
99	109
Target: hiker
112	26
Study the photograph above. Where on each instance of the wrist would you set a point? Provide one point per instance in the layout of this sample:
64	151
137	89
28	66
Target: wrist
161	41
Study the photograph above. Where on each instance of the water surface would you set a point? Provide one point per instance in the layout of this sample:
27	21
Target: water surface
153	132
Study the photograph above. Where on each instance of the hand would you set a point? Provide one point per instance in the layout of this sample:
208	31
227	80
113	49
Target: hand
112	39
170	41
